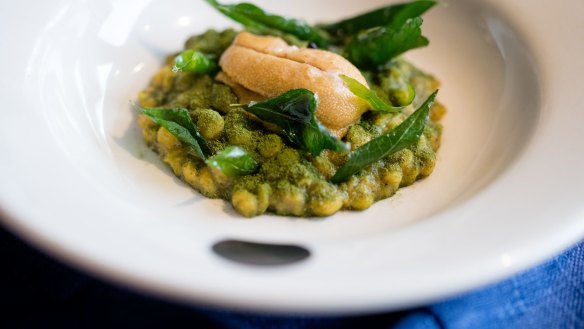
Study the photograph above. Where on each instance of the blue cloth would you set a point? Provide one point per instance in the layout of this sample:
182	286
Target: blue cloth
548	296
51	294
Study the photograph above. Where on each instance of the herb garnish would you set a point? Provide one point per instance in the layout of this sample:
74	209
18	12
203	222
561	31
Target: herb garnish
370	96
259	21
394	15
402	136
179	123
192	61
374	48
295	112
233	161
370	40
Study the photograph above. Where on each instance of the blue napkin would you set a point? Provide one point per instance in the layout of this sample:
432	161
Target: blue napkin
53	295
548	296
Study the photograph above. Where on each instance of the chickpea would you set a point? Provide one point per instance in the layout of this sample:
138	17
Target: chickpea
361	198
395	84
237	129
239	136
148	127
270	145
183	81
272	171
409	167
164	79
166	140
391	176
358	136
288	156
222	97
361	191
206	184
324	166
425	156
264	192
336	158
288	200
189	172
437	111
325	199
145	98
395	121
300	174
175	160
427	166
245	203
432	133
199	98
210	124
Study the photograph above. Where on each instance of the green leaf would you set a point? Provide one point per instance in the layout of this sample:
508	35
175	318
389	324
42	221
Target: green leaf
402	136
192	61
393	15
233	161
179	123
397	85
369	95
294	112
403	96
259	21
376	47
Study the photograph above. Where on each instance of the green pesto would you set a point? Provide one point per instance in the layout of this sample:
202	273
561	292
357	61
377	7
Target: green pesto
288	181
211	42
210	123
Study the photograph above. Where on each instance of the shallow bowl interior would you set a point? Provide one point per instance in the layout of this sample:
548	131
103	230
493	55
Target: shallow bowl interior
116	209
488	85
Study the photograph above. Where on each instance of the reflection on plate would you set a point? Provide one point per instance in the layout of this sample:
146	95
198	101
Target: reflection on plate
81	184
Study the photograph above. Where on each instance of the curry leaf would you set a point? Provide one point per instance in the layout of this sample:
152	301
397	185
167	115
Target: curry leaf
192	61
179	123
294	112
260	21
400	91
393	15
369	95
376	47
233	161
402	136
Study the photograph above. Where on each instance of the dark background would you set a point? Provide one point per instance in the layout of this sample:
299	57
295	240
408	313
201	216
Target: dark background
37	291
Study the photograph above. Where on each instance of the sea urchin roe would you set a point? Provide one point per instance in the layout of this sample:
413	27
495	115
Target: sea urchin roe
269	67
287	181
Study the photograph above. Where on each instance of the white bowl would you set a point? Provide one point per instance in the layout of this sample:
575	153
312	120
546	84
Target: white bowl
79	182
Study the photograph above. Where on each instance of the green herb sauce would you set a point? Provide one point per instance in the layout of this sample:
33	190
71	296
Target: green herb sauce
287	181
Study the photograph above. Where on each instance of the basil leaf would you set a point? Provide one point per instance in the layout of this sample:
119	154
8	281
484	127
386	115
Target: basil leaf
402	136
259	21
369	95
233	161
393	15
294	112
192	61
179	123
376	47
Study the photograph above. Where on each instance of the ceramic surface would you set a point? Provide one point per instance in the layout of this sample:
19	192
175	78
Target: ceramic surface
79	182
